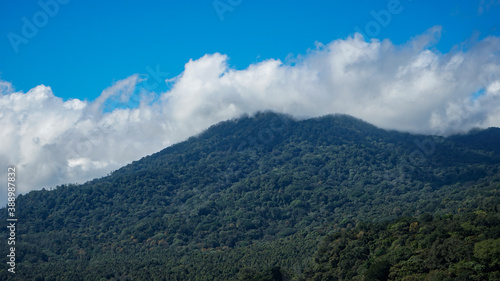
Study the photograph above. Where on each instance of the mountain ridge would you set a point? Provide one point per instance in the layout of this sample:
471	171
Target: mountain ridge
258	180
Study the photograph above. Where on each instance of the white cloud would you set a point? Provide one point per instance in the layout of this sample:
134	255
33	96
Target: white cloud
409	87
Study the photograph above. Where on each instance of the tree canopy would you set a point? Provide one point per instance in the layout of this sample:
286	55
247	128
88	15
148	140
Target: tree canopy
268	197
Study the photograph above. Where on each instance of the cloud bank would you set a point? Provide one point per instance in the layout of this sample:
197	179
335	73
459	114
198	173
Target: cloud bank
408	87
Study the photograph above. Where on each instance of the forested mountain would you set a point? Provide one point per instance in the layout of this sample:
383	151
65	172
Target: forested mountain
271	198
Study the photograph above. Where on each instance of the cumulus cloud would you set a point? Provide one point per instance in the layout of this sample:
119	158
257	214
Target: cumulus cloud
408	87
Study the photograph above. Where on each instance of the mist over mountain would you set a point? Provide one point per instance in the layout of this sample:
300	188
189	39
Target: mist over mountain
270	197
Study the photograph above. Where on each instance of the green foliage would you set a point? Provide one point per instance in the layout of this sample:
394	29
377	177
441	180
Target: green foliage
413	249
252	198
487	252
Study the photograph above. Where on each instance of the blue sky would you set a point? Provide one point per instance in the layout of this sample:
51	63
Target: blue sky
83	84
88	45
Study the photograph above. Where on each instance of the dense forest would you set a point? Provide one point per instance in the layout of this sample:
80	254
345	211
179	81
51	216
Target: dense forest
269	197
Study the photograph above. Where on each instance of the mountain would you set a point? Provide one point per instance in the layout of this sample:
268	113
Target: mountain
264	198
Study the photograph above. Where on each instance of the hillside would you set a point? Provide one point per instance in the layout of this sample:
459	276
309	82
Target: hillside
252	199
